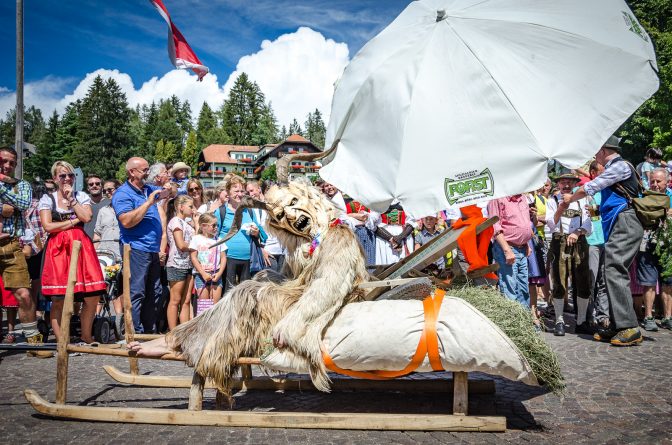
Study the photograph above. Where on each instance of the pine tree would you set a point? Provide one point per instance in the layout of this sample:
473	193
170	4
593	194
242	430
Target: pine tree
66	135
191	152
150	117
243	112
315	128
283	133
295	128
39	164
167	127
266	130
206	127
166	152
102	136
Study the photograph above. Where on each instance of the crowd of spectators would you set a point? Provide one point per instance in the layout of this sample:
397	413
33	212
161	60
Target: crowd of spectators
563	249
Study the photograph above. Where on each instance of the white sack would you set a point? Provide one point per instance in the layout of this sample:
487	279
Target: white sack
384	335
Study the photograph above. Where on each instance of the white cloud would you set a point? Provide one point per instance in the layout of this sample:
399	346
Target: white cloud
296	72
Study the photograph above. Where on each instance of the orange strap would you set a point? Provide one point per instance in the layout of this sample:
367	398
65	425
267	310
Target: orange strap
474	247
427	346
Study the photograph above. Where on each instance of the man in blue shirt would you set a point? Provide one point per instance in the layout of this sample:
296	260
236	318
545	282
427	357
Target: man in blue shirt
140	226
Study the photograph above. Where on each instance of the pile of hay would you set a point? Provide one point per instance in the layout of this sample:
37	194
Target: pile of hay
516	322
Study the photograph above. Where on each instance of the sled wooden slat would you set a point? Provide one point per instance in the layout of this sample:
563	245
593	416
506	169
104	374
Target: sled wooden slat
64	337
147	337
252	419
303	384
131	354
460	393
129	330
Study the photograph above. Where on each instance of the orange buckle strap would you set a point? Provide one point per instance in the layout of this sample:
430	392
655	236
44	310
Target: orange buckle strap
427	346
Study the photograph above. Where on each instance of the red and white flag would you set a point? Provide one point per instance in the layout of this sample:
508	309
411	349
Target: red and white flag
179	51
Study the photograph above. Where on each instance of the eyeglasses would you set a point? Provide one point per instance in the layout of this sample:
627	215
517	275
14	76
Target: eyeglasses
143	171
50	189
63	176
109	190
194	189
94	184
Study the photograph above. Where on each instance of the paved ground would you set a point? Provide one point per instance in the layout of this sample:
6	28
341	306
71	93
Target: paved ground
614	396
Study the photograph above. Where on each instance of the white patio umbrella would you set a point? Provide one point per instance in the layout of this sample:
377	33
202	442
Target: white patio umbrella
459	101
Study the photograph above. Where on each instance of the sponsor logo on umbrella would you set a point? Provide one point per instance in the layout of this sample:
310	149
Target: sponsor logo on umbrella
468	186
634	26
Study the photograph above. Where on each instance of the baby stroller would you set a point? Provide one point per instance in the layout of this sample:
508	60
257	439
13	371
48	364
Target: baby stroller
106	323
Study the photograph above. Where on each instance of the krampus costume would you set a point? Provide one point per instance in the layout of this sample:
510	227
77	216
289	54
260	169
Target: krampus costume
324	266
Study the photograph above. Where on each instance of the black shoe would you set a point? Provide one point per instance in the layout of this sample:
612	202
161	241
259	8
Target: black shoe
584	328
559	329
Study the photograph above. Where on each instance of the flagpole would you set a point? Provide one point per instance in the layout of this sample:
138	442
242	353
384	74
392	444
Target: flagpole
18	142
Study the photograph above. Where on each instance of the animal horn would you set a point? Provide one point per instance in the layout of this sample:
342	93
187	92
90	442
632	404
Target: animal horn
282	164
245	203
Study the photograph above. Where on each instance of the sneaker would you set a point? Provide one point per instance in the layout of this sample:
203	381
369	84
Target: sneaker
627	337
666	323
649	324
603	336
559	329
584	328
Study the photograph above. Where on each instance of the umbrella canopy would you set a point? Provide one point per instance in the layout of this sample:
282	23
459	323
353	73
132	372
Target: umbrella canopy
458	101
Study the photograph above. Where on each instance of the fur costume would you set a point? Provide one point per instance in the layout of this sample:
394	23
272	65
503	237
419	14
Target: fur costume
323	268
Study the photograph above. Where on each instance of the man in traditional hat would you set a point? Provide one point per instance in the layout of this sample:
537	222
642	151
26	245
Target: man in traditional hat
569	224
622	233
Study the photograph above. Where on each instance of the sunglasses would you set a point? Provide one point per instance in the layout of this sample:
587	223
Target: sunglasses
63	176
94	184
194	189
109	190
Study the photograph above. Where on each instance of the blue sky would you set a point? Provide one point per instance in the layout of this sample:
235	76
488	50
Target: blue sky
65	40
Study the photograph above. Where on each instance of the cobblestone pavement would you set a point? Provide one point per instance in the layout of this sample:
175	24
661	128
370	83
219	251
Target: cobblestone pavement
614	396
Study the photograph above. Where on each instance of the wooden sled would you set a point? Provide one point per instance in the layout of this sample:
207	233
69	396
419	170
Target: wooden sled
194	415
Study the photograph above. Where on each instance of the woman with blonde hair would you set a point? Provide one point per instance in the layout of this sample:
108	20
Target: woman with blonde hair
63	214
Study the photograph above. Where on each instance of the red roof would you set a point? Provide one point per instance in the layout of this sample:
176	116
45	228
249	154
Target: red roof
220	153
297	138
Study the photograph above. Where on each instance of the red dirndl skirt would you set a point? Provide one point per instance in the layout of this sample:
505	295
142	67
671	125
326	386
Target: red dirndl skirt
7	298
56	265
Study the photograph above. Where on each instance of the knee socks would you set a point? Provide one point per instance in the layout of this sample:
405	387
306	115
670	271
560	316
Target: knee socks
582	308
559	306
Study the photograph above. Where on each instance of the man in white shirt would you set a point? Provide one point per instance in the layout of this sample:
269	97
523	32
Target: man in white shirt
569	224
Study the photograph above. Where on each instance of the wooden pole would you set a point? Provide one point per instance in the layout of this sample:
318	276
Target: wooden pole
64	338
196	392
246	372
460	394
18	140
129	334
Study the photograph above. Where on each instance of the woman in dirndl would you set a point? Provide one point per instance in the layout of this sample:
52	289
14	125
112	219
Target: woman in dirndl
63	215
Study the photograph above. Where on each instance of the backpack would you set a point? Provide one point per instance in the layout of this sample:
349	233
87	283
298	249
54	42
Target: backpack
650	207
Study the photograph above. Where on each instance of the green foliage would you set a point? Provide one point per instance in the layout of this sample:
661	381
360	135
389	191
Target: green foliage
165	152
168	125
191	152
245	116
102	136
651	125
121	174
663	240
316	130
283	134
48	152
206	128
269	174
295	128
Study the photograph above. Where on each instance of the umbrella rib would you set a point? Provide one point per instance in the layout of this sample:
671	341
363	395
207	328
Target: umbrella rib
499	87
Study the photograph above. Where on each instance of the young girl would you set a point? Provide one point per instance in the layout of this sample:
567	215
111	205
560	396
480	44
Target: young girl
178	266
209	264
